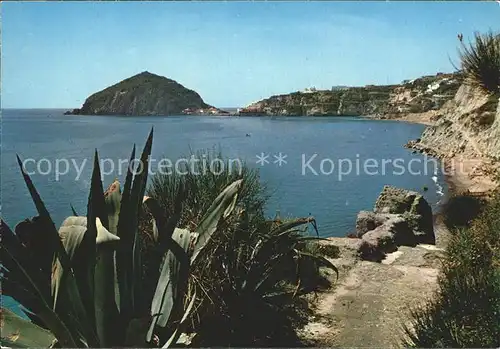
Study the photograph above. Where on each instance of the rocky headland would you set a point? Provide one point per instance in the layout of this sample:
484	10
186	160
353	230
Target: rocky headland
146	94
423	95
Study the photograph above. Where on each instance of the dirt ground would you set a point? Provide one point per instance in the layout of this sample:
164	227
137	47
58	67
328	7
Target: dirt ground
370	302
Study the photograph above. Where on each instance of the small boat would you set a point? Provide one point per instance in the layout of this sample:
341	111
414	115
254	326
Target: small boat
248	135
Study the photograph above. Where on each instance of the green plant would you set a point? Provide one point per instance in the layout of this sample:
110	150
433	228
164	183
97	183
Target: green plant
252	270
252	279
92	297
465	312
480	61
461	209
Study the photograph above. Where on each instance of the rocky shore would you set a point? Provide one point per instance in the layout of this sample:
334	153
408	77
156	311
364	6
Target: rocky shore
391	263
466	137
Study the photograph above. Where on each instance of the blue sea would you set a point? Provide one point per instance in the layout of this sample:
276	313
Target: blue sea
330	168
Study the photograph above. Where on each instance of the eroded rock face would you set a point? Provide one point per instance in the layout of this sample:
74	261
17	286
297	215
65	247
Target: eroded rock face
367	221
392	233
400	218
469	126
412	206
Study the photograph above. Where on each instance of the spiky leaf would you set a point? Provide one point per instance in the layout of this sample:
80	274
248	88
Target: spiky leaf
222	206
172	282
20	333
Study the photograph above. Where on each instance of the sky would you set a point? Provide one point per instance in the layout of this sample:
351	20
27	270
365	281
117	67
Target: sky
56	54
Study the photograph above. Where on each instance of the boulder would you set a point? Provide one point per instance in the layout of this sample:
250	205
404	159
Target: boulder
367	221
369	252
386	238
422	219
412	206
394	200
394	232
381	240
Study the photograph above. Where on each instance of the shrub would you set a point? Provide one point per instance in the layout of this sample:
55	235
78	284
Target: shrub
466	309
461	210
251	273
480	61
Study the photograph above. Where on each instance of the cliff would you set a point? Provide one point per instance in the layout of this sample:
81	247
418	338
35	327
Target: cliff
143	94
468	125
466	135
428	93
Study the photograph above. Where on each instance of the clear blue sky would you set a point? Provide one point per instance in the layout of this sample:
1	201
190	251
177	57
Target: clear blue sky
55	54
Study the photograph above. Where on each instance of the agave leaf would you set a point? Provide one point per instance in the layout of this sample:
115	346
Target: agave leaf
20	333
285	227
50	227
96	196
113	198
172	282
15	255
106	311
77	292
124	231
322	261
222	206
20	277
137	195
134	334
73	211
123	219
180	327
129	269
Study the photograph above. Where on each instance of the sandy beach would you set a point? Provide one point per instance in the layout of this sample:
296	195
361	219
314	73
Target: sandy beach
471	175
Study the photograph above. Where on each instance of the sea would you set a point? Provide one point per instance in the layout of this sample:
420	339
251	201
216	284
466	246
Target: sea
326	167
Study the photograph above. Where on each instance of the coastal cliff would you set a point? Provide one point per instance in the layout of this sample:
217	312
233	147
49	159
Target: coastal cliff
466	135
145	94
422	95
469	124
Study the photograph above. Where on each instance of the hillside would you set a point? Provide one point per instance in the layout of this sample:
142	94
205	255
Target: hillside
143	94
417	96
466	135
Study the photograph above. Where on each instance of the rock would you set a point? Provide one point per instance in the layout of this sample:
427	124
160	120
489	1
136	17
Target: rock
72	112
367	221
388	236
412	206
369	252
394	200
421	220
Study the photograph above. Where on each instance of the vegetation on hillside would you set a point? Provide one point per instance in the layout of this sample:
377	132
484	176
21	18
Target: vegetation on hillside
465	312
418	95
480	61
142	94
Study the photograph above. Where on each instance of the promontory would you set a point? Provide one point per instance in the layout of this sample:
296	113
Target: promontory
145	94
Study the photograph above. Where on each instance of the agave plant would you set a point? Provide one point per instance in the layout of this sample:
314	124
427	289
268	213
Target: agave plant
251	273
81	285
480	62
